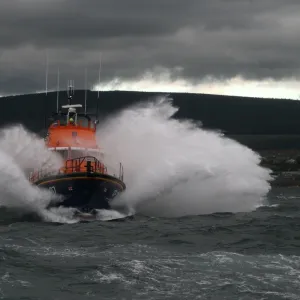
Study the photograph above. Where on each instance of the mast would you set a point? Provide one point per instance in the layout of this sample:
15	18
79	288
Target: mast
70	91
71	107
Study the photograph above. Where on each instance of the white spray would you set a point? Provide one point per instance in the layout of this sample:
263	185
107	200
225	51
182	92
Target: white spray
21	150
175	168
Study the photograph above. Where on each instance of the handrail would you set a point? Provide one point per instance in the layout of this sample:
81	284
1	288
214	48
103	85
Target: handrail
92	165
76	165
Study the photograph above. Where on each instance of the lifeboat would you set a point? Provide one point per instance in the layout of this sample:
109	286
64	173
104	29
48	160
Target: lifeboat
83	180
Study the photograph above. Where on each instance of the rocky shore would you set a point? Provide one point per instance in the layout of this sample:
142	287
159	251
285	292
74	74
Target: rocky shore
285	166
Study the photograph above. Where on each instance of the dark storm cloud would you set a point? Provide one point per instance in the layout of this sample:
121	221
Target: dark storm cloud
219	38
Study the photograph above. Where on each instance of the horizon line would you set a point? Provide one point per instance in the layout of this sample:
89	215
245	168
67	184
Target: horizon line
46	92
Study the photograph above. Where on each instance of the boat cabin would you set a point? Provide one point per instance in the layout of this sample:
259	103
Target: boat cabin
73	137
72	130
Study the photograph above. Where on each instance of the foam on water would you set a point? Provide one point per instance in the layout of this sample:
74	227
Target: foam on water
175	168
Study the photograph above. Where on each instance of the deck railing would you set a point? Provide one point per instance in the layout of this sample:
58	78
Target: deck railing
87	164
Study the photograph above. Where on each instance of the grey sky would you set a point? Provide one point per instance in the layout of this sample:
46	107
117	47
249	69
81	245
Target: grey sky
221	38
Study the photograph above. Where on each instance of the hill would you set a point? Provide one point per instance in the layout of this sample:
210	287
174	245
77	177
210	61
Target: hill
256	122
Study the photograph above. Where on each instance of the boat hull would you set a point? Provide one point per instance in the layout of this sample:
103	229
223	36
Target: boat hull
84	191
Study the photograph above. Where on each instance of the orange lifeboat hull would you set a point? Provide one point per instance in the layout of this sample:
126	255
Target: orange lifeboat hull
83	191
83	183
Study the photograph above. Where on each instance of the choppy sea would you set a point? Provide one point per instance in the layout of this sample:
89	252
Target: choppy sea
254	255
201	227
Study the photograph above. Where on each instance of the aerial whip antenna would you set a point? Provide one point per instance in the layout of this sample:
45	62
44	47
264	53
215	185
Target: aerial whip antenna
57	97
99	75
46	72
85	94
45	102
98	86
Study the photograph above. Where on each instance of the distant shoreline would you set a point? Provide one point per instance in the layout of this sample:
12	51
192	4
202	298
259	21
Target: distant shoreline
259	123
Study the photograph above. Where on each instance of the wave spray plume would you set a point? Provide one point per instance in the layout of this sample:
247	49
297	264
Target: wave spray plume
176	168
20	151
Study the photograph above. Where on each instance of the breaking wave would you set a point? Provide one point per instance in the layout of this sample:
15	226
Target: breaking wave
176	168
21	151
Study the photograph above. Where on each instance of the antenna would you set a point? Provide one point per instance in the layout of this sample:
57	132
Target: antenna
46	72
97	108
85	94
45	101
99	74
57	97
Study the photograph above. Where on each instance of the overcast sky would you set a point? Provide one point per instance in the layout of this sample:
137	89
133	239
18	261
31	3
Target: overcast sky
242	47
